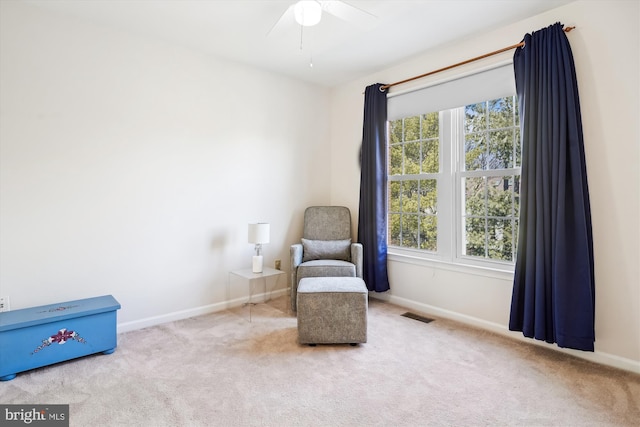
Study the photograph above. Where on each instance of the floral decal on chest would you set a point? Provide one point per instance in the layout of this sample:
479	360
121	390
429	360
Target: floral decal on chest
61	337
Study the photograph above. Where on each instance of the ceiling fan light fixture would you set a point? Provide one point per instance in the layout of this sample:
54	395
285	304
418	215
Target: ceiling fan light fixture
307	12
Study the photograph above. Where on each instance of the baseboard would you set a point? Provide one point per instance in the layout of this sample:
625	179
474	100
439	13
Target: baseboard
196	311
597	356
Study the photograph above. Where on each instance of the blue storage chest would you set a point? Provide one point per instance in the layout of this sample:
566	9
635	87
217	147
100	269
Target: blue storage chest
38	336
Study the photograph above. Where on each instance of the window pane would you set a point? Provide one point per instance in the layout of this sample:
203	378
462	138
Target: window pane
412	158
500	244
395	160
412	128
475	151
475	237
431	156
428	196
395	131
410	196
501	113
410	231
431	126
429	233
499	192
475	118
474	196
394	196
394	229
500	149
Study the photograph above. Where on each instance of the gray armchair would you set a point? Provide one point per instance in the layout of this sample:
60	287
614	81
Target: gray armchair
326	249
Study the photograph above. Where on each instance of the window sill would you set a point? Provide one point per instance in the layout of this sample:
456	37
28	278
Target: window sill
407	257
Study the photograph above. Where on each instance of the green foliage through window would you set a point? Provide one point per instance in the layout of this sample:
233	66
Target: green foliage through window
490	179
414	162
488	170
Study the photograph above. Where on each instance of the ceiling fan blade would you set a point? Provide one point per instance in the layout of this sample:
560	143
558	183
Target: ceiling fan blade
347	12
286	19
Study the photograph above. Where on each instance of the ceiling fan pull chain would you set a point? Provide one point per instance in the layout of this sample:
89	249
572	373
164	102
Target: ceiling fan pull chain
301	30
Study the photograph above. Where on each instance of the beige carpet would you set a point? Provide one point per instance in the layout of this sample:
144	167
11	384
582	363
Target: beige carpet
221	370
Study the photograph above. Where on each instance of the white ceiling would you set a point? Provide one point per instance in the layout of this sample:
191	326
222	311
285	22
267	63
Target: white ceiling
381	35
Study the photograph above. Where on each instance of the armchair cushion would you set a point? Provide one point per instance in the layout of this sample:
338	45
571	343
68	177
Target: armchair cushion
326	268
326	249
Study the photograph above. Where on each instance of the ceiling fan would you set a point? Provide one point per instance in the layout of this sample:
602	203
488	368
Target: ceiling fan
307	13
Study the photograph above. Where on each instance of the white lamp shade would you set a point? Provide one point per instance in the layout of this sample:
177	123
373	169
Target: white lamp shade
259	233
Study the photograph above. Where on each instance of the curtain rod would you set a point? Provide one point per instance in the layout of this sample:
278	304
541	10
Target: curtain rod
495	52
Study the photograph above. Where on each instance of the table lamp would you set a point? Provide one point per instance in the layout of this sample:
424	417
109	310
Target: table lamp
258	234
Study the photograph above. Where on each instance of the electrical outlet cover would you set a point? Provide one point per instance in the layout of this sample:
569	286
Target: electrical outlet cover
4	304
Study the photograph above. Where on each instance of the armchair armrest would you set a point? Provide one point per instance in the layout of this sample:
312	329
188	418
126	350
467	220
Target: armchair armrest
296	255
295	252
357	256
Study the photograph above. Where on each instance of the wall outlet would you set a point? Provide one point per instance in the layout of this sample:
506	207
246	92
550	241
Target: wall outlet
4	304
278	264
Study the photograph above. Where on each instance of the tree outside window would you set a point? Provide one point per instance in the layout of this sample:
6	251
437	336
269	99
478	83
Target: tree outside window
486	144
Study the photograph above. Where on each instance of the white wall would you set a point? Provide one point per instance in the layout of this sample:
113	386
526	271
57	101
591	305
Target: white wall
606	50
132	167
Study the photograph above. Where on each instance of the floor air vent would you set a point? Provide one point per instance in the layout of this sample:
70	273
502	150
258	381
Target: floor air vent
417	317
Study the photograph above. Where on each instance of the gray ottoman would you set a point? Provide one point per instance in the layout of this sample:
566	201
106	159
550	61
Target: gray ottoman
332	310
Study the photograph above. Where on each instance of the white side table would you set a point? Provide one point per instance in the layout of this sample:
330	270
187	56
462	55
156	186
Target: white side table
247	273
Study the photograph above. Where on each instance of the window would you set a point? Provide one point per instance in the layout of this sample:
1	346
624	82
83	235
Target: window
454	181
414	169
490	179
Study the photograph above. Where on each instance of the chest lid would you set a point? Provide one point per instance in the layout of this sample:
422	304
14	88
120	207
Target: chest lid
31	316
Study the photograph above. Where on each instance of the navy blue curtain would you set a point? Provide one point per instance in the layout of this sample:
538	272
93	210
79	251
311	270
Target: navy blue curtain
372	217
554	289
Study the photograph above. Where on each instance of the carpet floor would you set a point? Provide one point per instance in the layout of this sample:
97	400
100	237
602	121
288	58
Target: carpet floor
222	370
